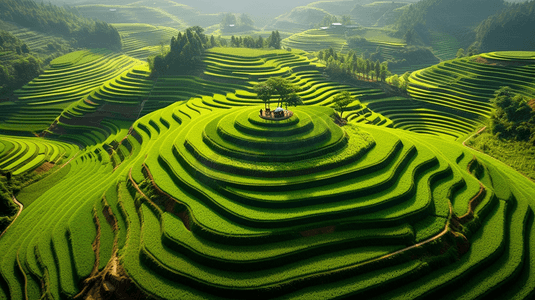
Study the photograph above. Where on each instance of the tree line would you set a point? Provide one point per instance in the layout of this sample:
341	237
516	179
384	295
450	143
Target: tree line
63	21
273	41
340	65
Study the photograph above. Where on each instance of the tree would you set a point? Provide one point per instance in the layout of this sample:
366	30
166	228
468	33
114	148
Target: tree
276	86
260	42
341	101
275	40
394	80
377	69
293	100
384	71
25	49
460	53
263	92
213	43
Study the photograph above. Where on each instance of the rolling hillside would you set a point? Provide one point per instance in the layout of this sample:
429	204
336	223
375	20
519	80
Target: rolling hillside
175	187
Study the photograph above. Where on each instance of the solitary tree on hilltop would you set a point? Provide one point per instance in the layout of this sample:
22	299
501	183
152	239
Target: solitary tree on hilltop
341	101
277	86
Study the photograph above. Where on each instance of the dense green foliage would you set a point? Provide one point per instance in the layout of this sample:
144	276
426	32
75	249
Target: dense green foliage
513	118
184	55
62	21
21	66
511	29
280	87
196	196
342	101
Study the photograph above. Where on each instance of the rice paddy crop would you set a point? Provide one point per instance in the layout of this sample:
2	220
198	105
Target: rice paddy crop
196	196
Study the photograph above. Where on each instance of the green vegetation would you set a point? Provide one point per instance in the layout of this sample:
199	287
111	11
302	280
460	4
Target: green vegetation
168	172
513	118
39	103
62	21
285	91
343	100
185	53
493	34
516	154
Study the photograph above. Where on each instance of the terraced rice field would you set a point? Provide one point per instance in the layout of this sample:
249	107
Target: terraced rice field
465	86
445	46
202	198
69	78
22	154
143	40
317	39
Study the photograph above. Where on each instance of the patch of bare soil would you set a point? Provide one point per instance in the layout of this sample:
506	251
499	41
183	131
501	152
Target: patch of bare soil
318	231
501	63
111	283
531	103
44	168
339	121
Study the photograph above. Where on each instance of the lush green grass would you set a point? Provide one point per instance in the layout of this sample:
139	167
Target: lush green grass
24	154
234	206
519	155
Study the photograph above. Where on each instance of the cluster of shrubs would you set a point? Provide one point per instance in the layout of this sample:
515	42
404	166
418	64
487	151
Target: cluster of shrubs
513	117
184	55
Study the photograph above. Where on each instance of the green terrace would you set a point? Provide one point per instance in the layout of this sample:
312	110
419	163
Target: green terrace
181	182
142	40
463	87
24	154
69	78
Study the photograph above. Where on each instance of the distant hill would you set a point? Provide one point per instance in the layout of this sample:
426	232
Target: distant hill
160	12
512	29
378	13
63	21
448	15
298	19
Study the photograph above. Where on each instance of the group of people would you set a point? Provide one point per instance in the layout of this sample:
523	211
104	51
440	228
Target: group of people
274	114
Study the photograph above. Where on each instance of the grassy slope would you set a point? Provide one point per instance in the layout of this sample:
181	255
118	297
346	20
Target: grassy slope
404	186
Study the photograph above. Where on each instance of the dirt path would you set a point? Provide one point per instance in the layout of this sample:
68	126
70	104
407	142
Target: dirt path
16	216
478	132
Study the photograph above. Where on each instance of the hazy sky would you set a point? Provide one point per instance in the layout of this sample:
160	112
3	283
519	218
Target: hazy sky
256	7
